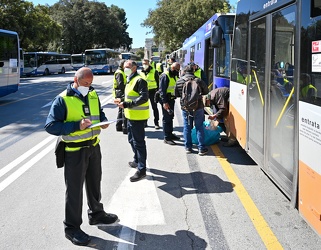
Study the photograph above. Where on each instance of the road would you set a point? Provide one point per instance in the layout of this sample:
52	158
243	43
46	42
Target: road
218	201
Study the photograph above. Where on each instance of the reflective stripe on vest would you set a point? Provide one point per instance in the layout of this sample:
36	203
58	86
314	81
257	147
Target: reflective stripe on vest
150	79
171	85
140	112
75	113
115	85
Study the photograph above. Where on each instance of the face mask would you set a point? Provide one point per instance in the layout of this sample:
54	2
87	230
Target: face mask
83	90
127	71
145	66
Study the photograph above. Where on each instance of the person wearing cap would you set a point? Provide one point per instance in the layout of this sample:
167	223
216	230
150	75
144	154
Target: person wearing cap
198	72
118	92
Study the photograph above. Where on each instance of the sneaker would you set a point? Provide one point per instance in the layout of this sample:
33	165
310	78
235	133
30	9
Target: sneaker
188	150
169	142
104	219
133	164
175	137
157	126
125	132
203	151
140	174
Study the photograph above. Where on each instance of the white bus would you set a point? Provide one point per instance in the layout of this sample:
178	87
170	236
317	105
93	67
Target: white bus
9	62
77	61
102	61
45	63
131	56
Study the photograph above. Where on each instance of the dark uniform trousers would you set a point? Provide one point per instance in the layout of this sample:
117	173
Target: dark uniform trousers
83	166
136	138
151	95
168	120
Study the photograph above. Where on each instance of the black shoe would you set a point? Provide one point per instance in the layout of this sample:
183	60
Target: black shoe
140	174
203	151
78	237
175	137
157	126
133	164
119	129
188	150
169	142
103	219
125	132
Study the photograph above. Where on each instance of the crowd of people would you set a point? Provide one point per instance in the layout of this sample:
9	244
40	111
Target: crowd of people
74	112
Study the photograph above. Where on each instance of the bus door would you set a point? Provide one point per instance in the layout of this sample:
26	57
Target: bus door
271	96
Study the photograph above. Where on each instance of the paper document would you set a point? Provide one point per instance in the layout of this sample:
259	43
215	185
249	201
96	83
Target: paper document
101	123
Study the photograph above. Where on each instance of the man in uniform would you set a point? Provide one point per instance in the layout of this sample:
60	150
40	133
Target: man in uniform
167	83
150	75
136	109
71	114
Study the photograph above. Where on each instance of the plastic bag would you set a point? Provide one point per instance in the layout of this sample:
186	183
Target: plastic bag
212	133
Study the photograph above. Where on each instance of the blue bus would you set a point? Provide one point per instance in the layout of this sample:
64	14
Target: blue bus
210	48
9	62
102	61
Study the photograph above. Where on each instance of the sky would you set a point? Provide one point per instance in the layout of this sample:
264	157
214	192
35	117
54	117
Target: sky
136	13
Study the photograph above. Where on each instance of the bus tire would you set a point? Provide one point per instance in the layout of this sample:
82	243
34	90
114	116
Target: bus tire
46	72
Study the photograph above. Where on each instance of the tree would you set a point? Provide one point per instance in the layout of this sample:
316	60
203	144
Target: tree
173	21
36	29
89	24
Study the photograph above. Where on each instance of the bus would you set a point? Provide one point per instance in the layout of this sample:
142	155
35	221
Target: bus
21	62
9	62
131	56
102	61
211	56
77	61
275	95
45	63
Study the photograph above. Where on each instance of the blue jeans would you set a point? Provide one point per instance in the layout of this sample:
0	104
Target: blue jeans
190	118
136	138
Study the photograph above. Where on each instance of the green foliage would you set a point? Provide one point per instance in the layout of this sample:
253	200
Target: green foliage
69	26
175	20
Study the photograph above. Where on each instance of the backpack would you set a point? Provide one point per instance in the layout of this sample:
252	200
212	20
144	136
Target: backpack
191	94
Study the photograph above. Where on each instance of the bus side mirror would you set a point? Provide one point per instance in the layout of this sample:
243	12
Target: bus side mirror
1	64
216	36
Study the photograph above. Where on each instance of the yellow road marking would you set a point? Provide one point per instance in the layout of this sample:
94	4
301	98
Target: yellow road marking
262	227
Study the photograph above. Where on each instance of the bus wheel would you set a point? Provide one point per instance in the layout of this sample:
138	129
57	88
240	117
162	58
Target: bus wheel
46	72
63	71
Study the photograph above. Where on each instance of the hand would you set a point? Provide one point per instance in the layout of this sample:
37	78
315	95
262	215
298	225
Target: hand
121	105
117	100
166	106
84	123
212	117
104	126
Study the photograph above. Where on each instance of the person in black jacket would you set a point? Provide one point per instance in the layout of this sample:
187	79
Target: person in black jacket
196	116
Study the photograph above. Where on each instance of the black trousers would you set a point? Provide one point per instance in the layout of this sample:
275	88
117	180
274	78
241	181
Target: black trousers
151	93
121	124
83	166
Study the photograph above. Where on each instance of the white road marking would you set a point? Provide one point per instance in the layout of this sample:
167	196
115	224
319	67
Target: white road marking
21	158
136	203
25	167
